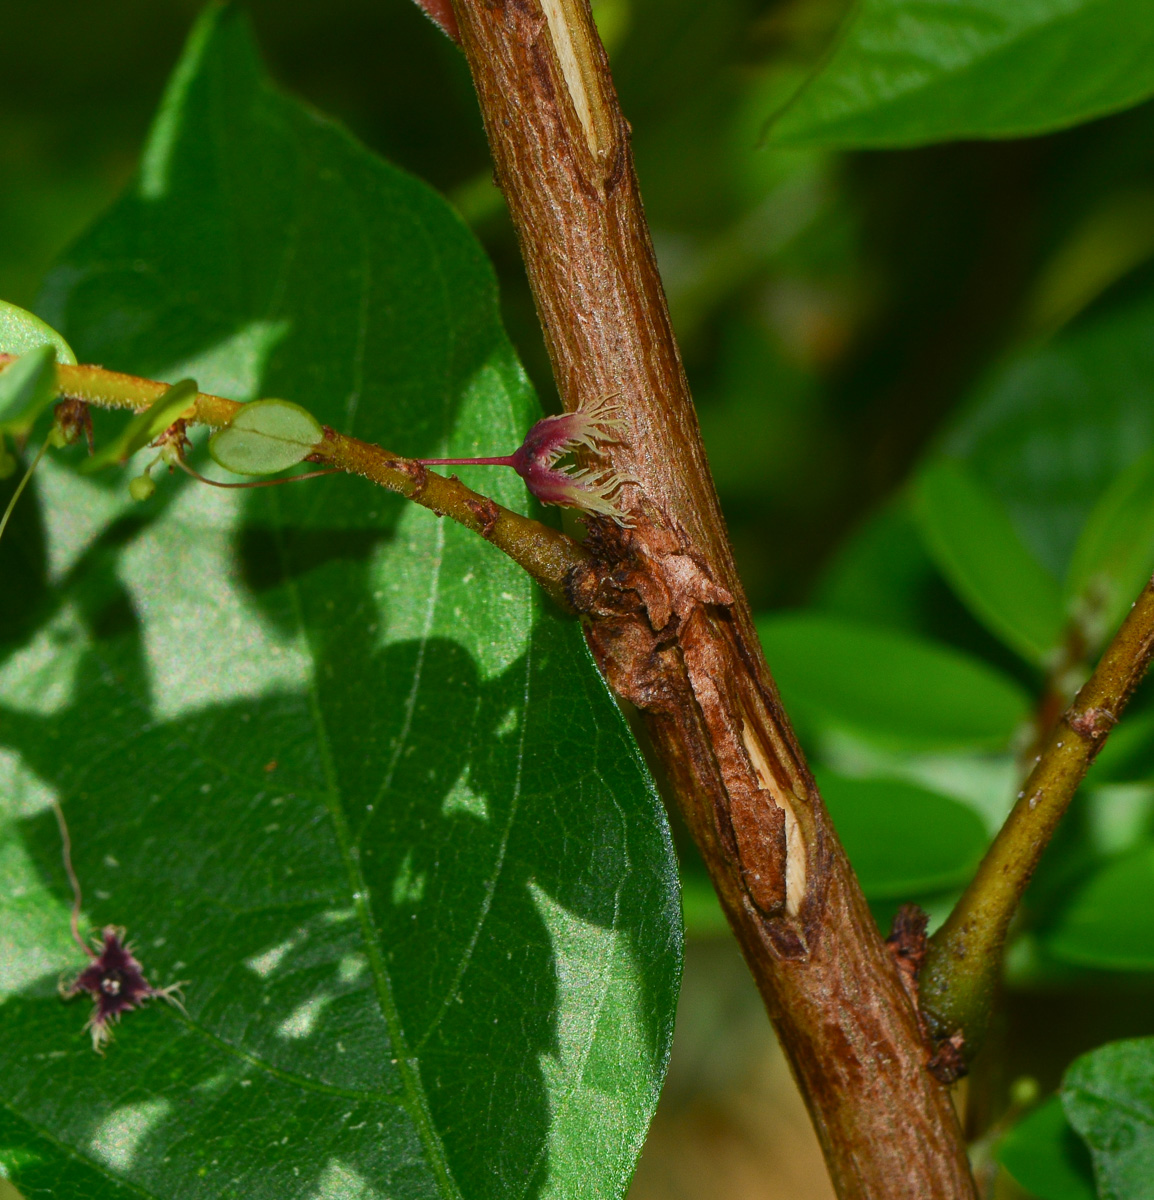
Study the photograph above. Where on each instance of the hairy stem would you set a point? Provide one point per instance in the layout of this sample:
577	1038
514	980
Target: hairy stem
547	554
669	625
964	958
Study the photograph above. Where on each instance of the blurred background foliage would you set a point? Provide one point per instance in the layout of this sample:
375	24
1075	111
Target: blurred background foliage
833	308
850	321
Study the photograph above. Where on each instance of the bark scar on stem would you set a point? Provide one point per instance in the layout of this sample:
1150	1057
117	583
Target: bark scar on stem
1094	723
577	57
486	512
907	944
795	868
663	622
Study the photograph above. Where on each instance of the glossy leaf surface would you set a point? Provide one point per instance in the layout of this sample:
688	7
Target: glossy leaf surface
21	331
1115	553
897	690
1050	432
1108	1096
975	545
1108	920
902	840
330	760
908	72
1044	1154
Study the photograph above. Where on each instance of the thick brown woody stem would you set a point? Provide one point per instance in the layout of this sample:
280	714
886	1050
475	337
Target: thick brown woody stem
670	626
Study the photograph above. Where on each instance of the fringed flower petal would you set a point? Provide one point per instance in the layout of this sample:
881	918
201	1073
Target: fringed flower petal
591	490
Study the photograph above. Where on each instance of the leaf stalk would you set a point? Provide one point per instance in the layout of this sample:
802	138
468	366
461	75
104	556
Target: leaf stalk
547	554
963	962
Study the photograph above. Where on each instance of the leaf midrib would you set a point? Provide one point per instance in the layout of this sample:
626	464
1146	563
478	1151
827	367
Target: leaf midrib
417	1106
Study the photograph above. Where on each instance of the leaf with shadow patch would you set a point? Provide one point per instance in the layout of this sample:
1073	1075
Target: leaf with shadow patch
328	758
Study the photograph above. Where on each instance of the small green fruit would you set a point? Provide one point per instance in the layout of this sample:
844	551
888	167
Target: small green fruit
141	488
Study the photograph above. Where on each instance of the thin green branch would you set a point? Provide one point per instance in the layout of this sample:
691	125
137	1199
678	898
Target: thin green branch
546	554
963	962
21	486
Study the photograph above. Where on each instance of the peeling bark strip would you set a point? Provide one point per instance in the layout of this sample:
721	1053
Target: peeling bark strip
668	622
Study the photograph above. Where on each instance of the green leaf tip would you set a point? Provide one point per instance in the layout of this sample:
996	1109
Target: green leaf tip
27	387
146	426
21	331
970	537
913	72
1115	552
266	436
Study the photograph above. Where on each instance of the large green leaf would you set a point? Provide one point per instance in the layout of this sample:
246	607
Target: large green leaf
1053	428
330	760
896	690
1108	1096
1046	1156
975	545
1108	921
903	840
882	574
907	72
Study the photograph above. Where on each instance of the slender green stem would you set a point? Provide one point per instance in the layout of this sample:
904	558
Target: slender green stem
964	959
22	485
547	554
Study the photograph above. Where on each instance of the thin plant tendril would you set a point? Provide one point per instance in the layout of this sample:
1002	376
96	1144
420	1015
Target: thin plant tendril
24	483
77	898
256	483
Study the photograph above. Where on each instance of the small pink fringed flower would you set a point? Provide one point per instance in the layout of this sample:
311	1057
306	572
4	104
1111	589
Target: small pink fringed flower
115	981
550	439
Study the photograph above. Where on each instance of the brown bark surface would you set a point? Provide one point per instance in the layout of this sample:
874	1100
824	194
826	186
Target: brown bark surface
669	624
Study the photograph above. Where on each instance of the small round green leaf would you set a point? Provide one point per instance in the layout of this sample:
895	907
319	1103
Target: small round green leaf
1109	920
27	386
1045	1155
145	427
266	436
21	331
903	840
